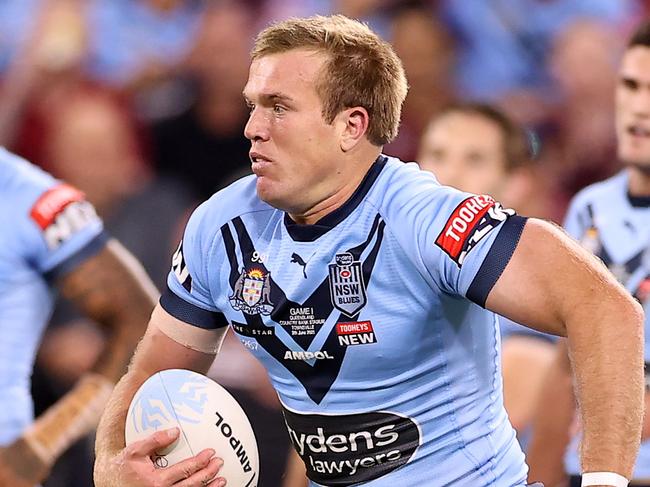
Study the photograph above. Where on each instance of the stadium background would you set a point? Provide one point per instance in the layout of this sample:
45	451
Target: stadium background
138	103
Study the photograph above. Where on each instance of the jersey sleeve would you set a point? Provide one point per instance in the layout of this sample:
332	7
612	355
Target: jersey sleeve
461	242
477	237
62	230
188	295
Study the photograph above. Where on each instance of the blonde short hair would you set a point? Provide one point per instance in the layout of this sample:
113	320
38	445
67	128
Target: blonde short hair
361	70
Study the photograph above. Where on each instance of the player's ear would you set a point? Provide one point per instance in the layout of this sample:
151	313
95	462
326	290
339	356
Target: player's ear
354	123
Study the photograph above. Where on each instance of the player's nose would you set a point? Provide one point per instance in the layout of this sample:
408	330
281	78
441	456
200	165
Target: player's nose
257	127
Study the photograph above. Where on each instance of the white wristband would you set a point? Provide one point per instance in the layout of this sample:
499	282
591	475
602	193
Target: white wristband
604	478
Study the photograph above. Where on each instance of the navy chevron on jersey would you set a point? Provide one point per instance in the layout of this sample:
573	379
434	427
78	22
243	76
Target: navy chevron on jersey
370	323
47	229
616	227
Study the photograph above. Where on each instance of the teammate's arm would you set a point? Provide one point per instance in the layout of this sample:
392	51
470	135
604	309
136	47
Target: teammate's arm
168	343
552	284
112	289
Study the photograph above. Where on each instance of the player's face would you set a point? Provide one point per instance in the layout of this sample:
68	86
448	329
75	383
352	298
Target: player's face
465	151
293	149
633	108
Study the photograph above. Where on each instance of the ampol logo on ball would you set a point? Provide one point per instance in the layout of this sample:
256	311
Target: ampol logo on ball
208	416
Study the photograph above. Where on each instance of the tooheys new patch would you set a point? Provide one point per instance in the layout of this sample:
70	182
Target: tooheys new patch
60	212
469	223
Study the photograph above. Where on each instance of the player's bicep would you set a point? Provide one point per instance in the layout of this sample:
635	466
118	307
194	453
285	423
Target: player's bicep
170	343
547	276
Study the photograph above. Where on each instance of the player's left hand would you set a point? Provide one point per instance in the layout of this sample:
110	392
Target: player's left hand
20	467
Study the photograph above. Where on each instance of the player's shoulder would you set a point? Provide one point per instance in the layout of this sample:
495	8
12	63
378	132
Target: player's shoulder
403	185
21	180
603	191
236	200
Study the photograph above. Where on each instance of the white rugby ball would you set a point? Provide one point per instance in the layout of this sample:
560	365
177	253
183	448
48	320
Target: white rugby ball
208	417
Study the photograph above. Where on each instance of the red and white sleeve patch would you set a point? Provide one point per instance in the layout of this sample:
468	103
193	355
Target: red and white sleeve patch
60	212
470	221
52	202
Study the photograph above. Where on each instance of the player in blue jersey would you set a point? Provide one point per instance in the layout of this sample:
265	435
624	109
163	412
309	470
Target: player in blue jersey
52	237
612	220
361	284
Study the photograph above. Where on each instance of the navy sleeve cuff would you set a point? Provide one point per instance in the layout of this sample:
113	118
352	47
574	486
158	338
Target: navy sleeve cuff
91	248
496	260
189	313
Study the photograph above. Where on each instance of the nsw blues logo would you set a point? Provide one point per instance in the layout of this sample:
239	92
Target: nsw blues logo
347	288
252	292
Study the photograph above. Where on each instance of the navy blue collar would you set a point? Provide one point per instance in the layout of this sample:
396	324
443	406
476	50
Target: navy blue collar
639	201
309	233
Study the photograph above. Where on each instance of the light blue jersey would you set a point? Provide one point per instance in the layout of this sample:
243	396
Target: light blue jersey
47	229
368	323
616	227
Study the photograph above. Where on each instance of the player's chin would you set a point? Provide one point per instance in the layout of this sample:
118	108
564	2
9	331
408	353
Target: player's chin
637	159
268	191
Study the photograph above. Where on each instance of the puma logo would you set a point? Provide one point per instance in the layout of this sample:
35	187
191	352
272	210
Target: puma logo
296	259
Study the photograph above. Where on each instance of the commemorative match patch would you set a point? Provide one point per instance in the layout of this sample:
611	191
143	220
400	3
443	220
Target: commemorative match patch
470	222
60	212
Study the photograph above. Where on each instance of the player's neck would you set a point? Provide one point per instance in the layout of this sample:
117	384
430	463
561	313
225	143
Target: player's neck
343	188
638	182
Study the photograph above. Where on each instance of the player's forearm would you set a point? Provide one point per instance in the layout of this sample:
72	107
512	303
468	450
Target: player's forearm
110	432
645	434
109	439
606	351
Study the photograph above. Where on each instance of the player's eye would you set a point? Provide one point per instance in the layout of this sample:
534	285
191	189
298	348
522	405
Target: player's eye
278	109
630	84
475	159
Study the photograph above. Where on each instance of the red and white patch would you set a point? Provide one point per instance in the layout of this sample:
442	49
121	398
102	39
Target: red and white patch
472	220
355	333
52	202
60	212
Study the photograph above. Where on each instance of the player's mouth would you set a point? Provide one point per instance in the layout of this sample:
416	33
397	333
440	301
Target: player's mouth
258	162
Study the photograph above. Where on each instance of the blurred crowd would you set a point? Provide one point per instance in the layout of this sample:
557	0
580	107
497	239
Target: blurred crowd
138	103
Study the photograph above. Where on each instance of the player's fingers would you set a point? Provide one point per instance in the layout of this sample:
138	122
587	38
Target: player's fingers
187	468
205	477
157	441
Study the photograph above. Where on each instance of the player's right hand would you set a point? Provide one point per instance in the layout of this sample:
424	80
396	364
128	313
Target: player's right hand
133	466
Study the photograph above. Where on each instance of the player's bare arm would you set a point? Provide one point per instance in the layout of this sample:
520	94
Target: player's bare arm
554	285
112	289
168	343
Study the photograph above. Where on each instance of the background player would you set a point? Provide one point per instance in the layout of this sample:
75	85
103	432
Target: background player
52	236
391	257
612	220
477	148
